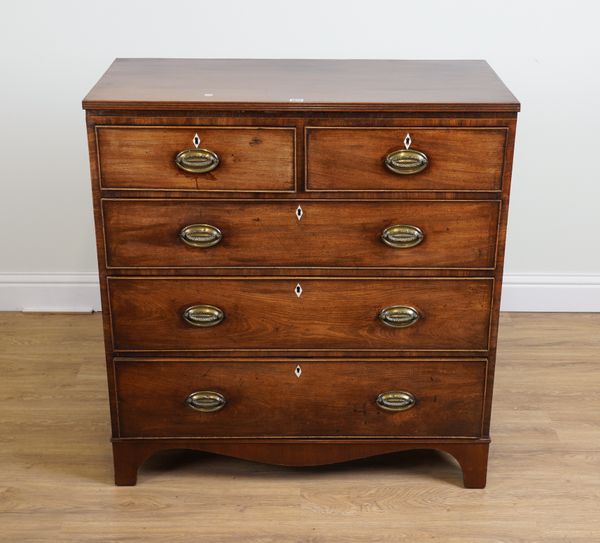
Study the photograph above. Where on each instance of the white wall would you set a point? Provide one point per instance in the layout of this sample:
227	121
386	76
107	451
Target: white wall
546	51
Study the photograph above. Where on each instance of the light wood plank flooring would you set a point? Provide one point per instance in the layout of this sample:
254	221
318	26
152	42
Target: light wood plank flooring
56	468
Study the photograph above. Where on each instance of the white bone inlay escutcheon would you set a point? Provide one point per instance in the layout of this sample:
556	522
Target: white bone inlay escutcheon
298	371
407	141
298	290
299	212
196	141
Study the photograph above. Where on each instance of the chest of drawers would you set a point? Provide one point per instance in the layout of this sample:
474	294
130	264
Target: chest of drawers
300	261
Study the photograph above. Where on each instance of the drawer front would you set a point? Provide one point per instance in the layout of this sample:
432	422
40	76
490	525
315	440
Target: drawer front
347	234
354	159
150	314
247	159
329	398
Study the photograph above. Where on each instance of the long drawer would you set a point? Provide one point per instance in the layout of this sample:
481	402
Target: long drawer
175	398
192	314
379	234
197	158
401	159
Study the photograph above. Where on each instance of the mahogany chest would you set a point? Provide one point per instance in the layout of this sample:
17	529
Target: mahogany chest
300	260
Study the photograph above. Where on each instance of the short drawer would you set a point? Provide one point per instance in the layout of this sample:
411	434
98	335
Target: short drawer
200	234
377	159
175	398
193	314
221	159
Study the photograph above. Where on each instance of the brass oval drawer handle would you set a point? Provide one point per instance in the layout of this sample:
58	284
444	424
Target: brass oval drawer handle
399	316
200	235
206	401
402	236
406	161
197	160
203	315
397	400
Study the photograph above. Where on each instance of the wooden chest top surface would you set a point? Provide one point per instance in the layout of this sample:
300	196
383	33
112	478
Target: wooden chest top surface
379	85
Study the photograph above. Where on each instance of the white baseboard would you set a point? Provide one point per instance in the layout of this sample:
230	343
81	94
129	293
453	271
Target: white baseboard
550	293
52	292
79	292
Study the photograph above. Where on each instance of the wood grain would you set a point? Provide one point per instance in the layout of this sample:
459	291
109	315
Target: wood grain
56	475
330	314
352	159
460	113
358	85
330	234
330	398
251	159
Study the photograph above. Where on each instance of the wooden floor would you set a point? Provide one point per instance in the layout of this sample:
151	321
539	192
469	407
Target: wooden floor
56	471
